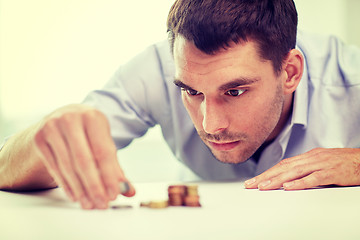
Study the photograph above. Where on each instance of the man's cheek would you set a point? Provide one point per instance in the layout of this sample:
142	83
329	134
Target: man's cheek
193	111
187	103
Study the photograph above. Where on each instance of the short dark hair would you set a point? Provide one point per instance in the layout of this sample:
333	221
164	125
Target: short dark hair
214	24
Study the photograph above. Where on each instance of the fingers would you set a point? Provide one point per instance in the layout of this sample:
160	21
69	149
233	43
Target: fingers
79	153
315	179
104	153
300	172
276	176
45	152
84	166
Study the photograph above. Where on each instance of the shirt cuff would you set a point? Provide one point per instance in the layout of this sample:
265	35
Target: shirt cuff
3	142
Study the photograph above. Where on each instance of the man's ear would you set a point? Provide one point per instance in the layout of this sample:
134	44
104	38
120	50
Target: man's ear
293	68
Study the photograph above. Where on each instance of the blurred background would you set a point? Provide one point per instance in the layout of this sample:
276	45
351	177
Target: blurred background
53	53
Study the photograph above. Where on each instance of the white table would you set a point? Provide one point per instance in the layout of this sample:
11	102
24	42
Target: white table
228	212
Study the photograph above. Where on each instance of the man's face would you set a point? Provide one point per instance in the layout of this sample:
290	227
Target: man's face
234	97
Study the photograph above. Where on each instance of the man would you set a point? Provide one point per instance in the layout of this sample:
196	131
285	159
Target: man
233	88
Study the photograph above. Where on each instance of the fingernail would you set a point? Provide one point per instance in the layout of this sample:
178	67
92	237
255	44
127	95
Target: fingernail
100	203
250	181
264	184
124	187
288	185
85	203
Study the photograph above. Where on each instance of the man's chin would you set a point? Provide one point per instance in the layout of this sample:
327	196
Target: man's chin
229	158
234	152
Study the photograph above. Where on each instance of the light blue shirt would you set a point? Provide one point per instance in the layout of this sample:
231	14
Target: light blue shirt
326	110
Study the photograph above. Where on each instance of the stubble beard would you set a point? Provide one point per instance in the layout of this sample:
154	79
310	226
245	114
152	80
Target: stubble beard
227	156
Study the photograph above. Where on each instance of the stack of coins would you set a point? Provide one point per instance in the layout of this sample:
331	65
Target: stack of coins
179	195
192	197
182	195
176	194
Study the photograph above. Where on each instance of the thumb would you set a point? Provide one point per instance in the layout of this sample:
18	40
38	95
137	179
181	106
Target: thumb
127	189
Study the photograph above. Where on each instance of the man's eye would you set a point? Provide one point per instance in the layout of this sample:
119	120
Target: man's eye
235	92
192	92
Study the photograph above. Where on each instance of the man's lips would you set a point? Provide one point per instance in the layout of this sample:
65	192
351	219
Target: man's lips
226	146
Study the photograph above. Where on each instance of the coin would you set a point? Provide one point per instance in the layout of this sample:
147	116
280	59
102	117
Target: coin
176	200
177	189
124	187
176	195
155	204
192	201
192	190
121	206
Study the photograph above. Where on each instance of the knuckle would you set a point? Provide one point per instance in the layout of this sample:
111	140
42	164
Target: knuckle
67	168
68	118
93	114
95	188
320	176
356	168
284	162
301	182
39	138
67	121
82	162
49	128
100	154
109	181
299	170
316	150
103	153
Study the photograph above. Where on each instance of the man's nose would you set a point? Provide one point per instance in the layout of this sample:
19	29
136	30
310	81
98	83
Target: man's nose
214	116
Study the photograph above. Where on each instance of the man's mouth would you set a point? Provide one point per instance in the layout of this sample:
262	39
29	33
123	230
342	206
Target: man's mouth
223	146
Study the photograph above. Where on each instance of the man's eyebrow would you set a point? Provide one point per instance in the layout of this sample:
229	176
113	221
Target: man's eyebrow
237	83
233	84
180	84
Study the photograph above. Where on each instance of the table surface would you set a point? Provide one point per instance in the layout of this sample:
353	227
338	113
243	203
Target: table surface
228	212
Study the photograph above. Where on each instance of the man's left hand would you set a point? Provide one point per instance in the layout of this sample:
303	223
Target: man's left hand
318	167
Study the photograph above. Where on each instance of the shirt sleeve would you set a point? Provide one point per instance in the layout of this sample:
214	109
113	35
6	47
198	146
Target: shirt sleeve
134	98
2	145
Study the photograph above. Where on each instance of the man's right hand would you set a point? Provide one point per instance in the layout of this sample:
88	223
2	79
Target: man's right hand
76	147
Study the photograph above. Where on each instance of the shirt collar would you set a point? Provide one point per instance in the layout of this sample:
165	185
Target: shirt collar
299	115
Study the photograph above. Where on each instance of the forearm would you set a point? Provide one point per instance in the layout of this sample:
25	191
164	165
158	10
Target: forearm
20	167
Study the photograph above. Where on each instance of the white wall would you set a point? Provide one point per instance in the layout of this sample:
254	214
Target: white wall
337	17
53	52
322	16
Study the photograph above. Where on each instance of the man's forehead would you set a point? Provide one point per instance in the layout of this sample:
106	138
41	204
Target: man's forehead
190	59
188	51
